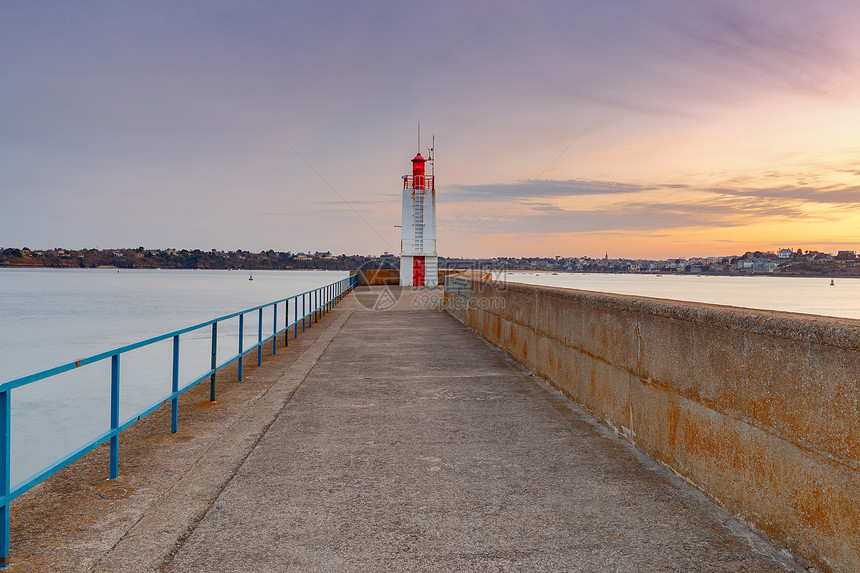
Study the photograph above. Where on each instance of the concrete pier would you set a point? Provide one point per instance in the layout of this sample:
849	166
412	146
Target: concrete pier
759	409
392	440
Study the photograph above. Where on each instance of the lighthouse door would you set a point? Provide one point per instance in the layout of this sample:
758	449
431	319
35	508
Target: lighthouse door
418	271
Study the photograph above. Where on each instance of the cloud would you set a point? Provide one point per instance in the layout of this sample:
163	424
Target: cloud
638	216
338	203
846	196
798	49
539	188
642	207
545	207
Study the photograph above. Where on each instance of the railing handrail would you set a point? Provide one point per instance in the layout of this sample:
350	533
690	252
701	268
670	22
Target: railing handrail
47	373
315	303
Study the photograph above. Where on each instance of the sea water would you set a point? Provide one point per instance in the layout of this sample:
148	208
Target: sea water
50	317
790	294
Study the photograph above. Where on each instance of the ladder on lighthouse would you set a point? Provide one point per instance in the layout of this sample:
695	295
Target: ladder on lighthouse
418	220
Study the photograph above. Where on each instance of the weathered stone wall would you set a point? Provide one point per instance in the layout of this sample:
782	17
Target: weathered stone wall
391	277
759	409
373	277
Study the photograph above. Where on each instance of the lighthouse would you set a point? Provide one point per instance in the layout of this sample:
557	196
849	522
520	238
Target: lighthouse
418	262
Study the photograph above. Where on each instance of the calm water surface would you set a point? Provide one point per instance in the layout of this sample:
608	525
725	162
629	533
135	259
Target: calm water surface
790	294
49	317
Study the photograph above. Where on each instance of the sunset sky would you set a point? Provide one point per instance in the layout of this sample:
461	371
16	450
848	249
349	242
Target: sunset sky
634	127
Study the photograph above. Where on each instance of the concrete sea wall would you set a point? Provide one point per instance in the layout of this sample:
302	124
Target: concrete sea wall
759	409
391	277
374	277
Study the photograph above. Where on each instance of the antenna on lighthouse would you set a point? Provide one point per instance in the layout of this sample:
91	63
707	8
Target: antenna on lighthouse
419	137
430	158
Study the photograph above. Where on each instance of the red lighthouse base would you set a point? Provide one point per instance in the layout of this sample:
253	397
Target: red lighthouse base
418	271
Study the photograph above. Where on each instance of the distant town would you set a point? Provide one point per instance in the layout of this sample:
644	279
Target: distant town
789	262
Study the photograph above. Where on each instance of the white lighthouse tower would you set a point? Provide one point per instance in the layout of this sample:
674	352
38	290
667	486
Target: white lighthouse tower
418	261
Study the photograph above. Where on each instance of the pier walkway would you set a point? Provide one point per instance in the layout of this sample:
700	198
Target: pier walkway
399	440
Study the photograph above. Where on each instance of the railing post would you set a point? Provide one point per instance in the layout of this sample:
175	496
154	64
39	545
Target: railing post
5	474
296	312
304	311
287	322
114	415
241	339
174	404
274	329
260	338
214	361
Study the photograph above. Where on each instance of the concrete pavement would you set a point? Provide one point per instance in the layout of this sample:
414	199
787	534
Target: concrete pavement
412	445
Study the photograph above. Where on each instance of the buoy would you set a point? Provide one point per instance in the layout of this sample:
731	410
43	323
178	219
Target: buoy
832	283
251	277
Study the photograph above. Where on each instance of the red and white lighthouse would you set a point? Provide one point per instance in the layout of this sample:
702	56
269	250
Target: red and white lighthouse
418	260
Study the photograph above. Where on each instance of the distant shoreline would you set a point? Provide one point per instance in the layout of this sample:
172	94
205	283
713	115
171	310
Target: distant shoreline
825	274
703	274
764	275
798	263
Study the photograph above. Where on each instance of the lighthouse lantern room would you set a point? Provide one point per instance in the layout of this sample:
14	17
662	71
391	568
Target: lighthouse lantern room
418	261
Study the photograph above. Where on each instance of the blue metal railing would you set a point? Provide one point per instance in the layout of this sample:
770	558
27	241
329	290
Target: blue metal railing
315	304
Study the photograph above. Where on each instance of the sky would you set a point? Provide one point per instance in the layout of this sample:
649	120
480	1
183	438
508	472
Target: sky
637	128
